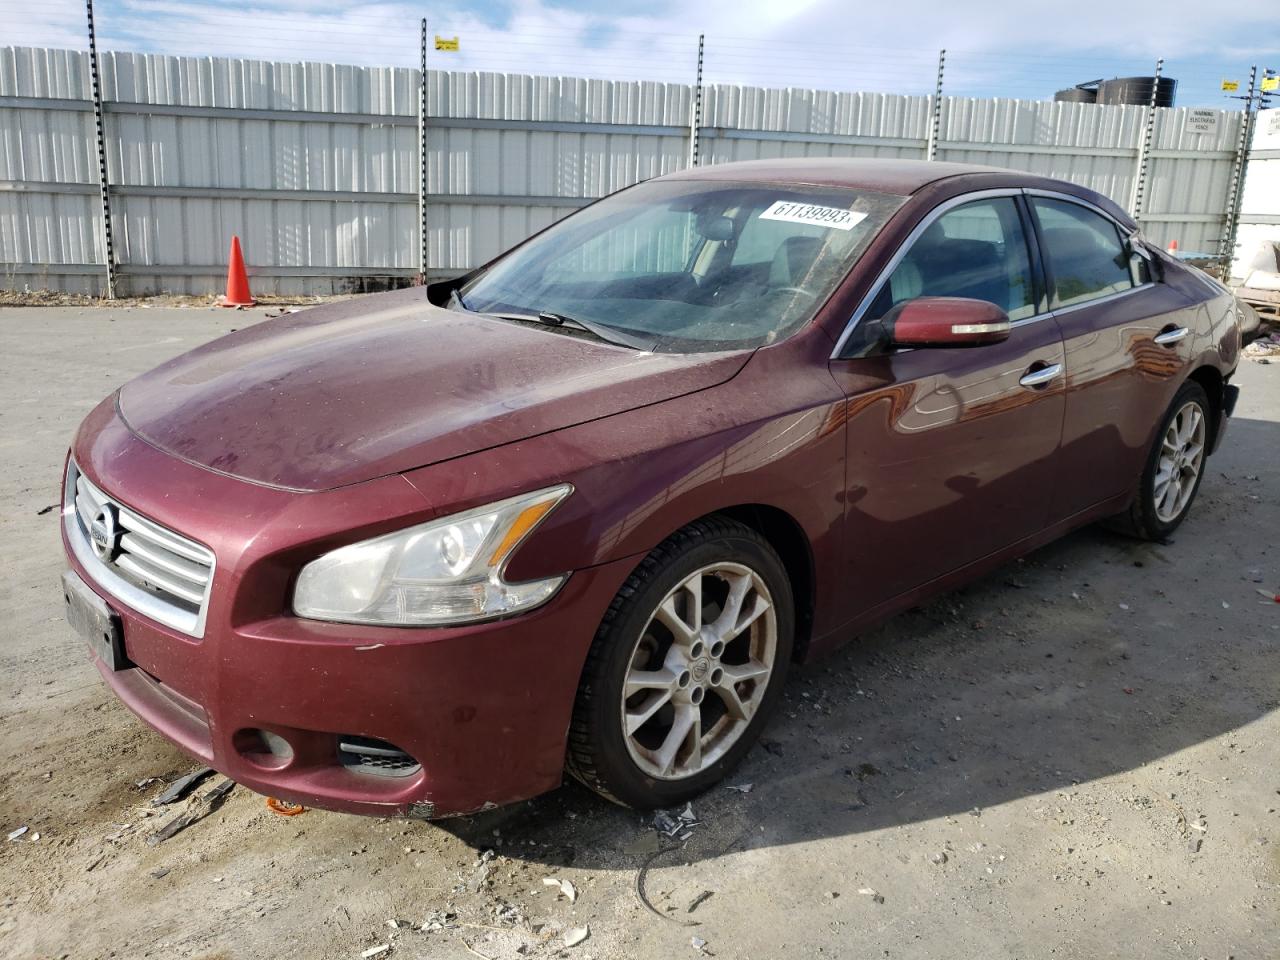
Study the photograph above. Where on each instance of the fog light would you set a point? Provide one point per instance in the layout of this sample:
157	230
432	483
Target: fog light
262	748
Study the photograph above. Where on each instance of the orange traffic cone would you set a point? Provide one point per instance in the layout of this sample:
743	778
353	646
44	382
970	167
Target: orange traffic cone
1173	248
237	294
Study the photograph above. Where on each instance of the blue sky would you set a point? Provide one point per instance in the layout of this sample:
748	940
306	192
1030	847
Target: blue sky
995	48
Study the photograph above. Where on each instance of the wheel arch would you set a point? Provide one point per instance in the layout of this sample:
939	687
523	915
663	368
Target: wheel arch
785	534
1213	383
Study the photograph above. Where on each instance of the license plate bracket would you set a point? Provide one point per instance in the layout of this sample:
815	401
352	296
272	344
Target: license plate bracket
89	615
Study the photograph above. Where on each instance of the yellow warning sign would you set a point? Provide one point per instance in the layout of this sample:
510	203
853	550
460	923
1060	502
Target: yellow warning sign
1270	83
1228	85
446	43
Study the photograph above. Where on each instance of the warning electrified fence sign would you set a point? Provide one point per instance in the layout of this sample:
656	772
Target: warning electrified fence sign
1202	121
446	43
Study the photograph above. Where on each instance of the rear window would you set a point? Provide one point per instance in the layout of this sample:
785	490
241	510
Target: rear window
1086	257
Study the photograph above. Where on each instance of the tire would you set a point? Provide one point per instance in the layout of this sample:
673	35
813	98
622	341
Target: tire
726	559
1153	517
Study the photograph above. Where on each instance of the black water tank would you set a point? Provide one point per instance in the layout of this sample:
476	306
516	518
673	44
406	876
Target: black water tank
1137	91
1077	95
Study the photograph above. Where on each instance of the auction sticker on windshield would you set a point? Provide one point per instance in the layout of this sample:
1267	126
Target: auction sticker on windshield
814	215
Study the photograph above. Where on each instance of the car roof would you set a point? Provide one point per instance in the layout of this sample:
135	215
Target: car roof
881	174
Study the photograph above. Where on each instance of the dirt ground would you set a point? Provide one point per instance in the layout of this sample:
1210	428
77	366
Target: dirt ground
1076	757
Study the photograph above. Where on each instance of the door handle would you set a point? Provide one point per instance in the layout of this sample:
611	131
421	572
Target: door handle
1039	376
1172	335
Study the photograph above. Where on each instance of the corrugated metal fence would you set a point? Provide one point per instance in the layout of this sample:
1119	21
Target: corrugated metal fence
1260	206
315	166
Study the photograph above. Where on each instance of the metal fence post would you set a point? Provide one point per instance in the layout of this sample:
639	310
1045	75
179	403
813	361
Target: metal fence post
931	150
422	158
1144	152
103	192
695	119
1227	245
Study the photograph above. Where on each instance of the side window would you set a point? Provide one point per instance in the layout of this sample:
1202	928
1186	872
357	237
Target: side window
1086	258
976	250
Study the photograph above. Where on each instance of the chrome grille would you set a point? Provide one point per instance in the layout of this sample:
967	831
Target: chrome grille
150	568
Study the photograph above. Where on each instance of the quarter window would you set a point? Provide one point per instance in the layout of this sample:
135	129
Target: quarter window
976	250
1084	253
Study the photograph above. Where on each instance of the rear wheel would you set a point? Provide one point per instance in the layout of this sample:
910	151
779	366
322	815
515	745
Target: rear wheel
1175	467
686	667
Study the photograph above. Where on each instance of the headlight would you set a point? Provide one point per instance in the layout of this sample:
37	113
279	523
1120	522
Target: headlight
445	571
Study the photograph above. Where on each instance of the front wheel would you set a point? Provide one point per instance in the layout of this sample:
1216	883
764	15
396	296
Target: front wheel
686	667
1175	467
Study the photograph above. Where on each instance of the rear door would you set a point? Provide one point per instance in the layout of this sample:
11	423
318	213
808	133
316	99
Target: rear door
1128	339
951	450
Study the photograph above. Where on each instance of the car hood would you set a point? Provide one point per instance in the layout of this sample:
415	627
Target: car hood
352	391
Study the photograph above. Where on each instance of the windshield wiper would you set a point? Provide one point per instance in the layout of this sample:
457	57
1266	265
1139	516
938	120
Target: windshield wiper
598	330
549	318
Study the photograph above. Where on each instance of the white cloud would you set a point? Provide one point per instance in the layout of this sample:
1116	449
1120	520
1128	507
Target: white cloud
994	47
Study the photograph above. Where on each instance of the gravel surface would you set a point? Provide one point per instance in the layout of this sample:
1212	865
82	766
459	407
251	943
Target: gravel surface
1076	757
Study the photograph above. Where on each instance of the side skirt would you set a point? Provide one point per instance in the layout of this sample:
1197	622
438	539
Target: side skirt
878	614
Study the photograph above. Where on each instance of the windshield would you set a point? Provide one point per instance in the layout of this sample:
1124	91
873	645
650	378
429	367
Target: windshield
690	265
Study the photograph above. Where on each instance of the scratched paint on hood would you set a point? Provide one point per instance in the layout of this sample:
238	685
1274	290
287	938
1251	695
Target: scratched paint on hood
386	383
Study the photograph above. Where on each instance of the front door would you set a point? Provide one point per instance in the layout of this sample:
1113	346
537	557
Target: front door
951	451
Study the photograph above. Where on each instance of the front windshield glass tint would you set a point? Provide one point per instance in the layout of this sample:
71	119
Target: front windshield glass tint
690	265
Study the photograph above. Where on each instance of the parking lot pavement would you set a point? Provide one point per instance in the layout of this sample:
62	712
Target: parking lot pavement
1078	756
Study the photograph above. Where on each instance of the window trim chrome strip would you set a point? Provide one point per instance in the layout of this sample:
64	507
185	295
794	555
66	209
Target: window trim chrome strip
960	200
120	589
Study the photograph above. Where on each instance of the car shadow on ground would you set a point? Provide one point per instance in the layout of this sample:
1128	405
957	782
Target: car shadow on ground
1091	657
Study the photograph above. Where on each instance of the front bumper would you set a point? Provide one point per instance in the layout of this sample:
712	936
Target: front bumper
1230	394
483	708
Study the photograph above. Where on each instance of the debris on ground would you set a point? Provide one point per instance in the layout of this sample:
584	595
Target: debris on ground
181	787
284	807
575	936
483	869
740	787
208	803
49	509
376	951
566	888
700	899
17	833
680	824
1262	350
697	943
869	892
643	897
437	920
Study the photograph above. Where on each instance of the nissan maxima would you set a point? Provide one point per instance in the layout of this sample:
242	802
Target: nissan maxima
420	553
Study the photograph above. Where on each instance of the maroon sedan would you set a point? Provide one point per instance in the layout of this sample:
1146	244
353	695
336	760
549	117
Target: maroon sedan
420	553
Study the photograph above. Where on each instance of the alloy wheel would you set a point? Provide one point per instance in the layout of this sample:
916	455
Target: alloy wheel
699	671
1181	458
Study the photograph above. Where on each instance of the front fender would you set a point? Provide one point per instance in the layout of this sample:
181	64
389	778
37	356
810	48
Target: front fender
770	436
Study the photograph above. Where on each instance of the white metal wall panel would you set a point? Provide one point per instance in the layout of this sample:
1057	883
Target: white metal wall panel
246	154
37	147
1260	203
506	156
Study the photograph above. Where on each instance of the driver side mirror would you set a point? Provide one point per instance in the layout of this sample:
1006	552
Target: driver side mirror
946	322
